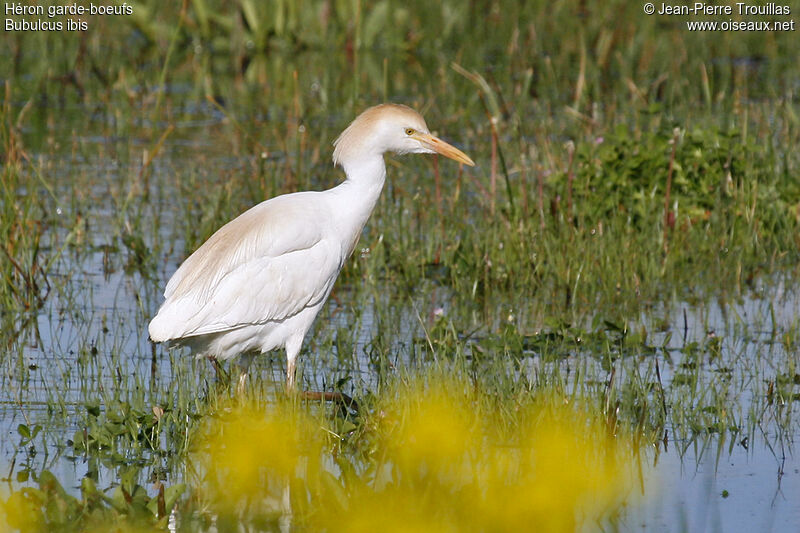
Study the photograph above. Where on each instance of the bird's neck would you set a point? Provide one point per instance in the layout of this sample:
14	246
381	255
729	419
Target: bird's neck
364	183
357	196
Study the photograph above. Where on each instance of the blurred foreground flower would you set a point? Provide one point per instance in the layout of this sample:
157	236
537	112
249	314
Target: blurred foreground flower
445	466
432	459
247	458
19	513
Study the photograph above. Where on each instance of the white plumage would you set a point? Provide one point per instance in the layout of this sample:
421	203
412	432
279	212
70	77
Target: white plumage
258	283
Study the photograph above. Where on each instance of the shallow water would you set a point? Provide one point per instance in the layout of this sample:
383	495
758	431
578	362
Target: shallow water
90	336
737	490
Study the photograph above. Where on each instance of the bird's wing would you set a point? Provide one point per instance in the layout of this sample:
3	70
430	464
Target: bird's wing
270	229
267	264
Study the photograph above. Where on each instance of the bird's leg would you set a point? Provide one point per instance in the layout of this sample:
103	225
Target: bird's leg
292	351
218	370
244	365
241	384
291	370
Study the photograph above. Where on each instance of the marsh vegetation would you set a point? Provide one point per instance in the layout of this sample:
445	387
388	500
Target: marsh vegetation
608	300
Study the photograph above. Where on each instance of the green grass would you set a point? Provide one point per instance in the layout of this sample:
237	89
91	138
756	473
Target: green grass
633	180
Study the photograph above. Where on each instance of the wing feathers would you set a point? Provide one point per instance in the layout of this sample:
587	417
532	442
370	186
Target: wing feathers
267	264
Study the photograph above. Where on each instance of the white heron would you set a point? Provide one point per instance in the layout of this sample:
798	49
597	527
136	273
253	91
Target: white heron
258	283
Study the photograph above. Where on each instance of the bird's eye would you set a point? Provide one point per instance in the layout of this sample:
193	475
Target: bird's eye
410	131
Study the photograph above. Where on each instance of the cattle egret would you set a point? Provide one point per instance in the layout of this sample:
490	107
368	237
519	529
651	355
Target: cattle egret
259	282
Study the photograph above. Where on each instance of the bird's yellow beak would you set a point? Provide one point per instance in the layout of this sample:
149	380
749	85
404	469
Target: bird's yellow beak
441	147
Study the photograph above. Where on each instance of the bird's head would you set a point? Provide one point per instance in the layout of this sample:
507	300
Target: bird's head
390	128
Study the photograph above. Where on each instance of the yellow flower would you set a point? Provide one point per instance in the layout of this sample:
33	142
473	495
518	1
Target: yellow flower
444	467
249	455
21	512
